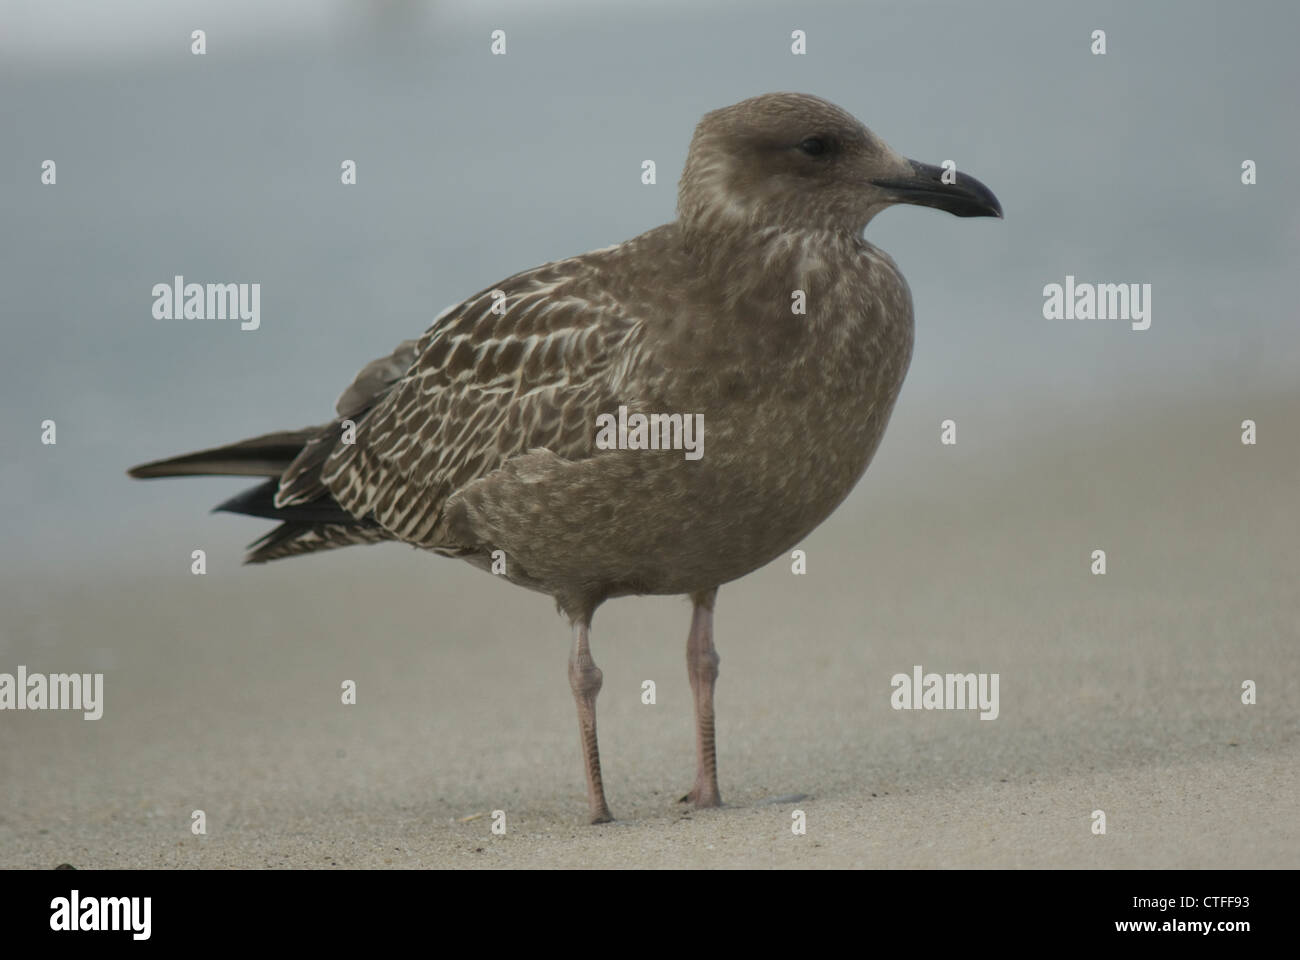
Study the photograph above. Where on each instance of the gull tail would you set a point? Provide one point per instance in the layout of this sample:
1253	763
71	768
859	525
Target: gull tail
319	524
266	456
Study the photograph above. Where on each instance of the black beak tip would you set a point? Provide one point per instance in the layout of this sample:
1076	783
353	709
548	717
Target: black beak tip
963	197
965	206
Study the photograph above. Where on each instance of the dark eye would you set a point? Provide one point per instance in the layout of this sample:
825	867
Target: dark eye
813	146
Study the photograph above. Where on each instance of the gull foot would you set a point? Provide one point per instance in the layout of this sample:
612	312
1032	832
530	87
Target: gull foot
707	799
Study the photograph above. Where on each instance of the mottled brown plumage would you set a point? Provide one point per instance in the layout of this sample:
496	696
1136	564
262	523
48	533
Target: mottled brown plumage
480	439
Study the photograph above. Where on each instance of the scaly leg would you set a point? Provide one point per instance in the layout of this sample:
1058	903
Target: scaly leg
585	680
702	667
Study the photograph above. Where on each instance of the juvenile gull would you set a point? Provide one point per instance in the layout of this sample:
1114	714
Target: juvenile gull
479	440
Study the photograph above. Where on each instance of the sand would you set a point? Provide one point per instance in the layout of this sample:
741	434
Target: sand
1119	693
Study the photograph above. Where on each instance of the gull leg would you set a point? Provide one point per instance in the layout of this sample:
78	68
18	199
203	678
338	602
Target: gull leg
585	679
702	667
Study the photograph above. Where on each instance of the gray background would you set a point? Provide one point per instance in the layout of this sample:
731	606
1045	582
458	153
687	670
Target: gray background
1072	434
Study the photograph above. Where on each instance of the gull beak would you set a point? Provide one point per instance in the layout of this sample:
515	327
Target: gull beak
965	197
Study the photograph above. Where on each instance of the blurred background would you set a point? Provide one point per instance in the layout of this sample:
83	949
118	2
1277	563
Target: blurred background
225	167
1123	168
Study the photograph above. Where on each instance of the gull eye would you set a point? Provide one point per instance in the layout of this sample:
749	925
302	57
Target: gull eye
813	146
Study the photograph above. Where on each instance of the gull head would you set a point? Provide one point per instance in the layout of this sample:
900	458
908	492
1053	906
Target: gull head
795	161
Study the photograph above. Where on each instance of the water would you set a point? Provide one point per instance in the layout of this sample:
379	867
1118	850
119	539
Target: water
1123	168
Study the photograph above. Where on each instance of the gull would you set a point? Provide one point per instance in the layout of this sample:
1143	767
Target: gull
761	311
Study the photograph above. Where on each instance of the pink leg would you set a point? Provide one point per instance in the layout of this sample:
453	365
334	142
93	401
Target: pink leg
702	667
585	679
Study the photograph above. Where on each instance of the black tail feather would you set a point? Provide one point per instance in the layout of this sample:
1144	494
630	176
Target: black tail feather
276	543
318	524
259	501
265	456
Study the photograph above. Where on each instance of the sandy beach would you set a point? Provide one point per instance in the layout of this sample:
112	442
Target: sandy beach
1119	693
